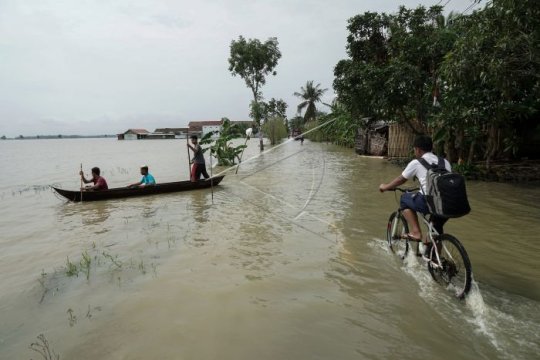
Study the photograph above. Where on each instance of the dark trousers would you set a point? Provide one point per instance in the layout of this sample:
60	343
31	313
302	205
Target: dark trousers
197	170
417	202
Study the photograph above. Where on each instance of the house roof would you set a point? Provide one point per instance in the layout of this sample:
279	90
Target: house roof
137	131
171	130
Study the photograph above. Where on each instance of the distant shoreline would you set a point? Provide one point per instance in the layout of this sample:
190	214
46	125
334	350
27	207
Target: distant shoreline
60	136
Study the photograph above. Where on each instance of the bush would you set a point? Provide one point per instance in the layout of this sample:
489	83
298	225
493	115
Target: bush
275	129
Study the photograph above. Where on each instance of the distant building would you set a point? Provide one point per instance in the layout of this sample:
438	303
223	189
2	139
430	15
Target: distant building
179	133
133	134
157	136
201	128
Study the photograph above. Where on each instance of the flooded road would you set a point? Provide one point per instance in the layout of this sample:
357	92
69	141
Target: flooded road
285	260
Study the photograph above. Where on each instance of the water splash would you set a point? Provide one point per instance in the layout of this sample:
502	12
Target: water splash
508	322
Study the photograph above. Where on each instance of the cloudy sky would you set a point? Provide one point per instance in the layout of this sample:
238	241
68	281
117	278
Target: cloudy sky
102	66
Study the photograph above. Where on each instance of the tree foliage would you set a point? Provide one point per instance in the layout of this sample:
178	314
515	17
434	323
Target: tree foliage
470	80
222	147
338	127
266	110
310	95
253	61
492	80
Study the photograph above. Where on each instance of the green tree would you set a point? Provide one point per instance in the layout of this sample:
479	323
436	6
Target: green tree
271	109
394	63
276	108
338	126
310	95
491	76
360	80
253	61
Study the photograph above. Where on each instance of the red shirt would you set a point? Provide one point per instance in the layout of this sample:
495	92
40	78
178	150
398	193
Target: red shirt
100	183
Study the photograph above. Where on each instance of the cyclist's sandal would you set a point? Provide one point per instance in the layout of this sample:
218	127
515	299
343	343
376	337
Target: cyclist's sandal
412	238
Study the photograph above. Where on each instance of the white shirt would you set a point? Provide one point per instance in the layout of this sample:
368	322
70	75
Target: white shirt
414	168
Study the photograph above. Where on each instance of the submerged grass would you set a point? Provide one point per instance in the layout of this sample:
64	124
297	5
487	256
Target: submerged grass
41	346
85	264
71	268
72	318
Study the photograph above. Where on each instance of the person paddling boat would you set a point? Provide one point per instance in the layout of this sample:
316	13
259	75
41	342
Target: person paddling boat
99	181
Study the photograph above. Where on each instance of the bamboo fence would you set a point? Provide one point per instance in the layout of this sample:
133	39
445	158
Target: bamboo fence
400	141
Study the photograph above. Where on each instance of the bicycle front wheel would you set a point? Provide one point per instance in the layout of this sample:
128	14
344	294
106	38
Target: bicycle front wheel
395	231
454	268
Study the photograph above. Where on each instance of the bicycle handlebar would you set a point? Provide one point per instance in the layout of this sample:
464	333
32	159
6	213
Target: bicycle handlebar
404	190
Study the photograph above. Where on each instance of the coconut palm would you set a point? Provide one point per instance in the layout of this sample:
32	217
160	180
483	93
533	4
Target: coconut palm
310	95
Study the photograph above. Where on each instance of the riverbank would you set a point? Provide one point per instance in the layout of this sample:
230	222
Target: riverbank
522	171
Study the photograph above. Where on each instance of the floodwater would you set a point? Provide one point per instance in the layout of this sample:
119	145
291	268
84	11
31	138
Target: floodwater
284	260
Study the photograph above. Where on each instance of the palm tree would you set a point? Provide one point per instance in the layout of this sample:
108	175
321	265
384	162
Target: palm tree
310	95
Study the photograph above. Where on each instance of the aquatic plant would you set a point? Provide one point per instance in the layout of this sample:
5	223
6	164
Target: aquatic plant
114	259
42	347
72	318
42	280
85	264
71	268
142	267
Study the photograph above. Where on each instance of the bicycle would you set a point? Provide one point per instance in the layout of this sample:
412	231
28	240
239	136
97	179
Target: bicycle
446	258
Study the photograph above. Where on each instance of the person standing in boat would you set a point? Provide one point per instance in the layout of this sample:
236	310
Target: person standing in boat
198	166
98	181
147	179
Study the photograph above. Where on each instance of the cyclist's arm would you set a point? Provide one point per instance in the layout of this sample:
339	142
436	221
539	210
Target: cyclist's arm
391	185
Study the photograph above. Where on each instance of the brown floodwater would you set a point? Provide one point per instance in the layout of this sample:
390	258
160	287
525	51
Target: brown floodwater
284	260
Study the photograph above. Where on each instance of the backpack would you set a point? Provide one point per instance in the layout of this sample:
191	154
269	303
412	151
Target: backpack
445	195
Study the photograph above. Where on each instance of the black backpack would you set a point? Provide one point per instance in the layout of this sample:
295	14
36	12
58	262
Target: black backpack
446	195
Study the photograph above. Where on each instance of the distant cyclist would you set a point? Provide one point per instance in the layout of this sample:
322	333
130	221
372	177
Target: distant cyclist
411	202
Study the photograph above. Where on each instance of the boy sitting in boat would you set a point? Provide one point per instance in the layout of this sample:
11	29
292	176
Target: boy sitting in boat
147	179
98	181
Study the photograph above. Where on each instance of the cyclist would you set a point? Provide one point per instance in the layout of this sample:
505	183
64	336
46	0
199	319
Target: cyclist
410	202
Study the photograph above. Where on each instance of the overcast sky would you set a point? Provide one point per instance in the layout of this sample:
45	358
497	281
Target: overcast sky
103	66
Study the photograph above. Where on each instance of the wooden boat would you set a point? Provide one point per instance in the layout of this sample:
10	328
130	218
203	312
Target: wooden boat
123	192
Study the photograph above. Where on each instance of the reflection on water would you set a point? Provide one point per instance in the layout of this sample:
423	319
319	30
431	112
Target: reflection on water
91	213
199	206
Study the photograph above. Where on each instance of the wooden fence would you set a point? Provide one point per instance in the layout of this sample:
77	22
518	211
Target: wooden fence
400	141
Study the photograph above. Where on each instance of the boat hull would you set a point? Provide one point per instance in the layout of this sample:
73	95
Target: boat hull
123	192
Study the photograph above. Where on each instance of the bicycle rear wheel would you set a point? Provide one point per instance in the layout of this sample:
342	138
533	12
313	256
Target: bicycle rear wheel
395	231
454	269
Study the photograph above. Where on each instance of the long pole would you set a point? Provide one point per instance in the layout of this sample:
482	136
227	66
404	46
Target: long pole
81	183
188	156
211	178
